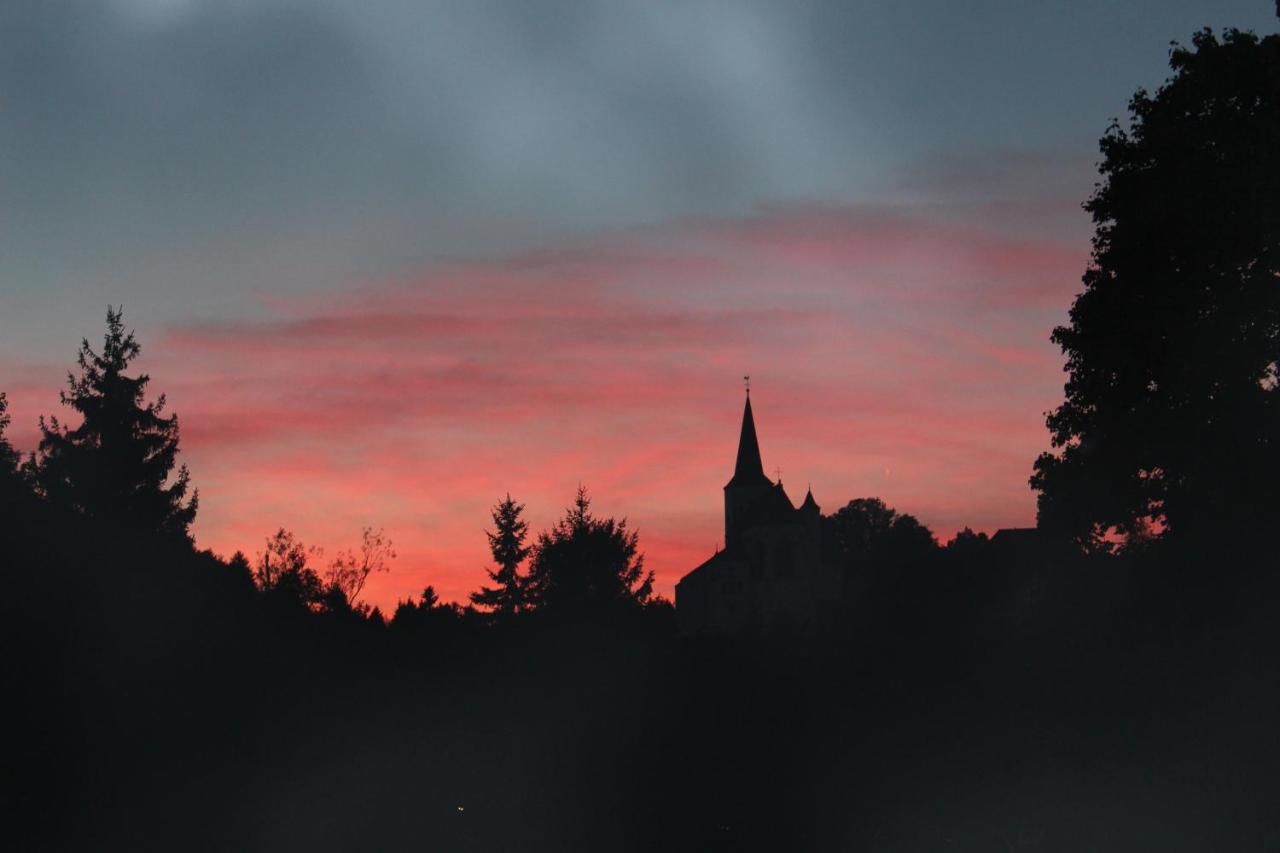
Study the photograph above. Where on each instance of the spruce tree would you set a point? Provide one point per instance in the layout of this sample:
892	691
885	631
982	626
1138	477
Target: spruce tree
588	565
507	544
116	468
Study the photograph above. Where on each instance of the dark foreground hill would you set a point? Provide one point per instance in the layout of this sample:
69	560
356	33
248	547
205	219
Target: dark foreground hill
157	702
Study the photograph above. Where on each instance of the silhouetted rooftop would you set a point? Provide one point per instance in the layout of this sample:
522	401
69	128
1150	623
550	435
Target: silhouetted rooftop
809	502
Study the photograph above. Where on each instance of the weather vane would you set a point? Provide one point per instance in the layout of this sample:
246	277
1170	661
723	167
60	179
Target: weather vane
746	380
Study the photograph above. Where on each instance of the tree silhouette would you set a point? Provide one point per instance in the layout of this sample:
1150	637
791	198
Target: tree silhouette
284	574
968	546
351	569
117	465
586	564
425	618
14	489
866	532
1172	417
238	567
507	544
9	457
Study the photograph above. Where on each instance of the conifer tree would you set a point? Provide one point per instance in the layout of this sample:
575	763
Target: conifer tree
508	596
116	467
588	564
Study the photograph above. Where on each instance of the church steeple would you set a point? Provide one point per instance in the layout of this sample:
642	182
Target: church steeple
749	484
748	470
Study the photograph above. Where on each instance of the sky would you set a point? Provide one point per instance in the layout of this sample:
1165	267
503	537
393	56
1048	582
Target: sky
392	260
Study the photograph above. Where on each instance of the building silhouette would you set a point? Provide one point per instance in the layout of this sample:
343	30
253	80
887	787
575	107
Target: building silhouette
772	570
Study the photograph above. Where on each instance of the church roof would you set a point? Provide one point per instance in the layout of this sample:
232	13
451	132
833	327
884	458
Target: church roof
705	568
748	470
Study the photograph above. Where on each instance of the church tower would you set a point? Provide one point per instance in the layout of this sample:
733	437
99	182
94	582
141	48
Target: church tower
772	570
749	484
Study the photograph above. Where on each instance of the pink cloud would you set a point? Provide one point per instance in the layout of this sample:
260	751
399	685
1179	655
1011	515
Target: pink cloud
892	354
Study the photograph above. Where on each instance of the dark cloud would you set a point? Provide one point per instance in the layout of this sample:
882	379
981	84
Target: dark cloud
125	118
125	133
204	150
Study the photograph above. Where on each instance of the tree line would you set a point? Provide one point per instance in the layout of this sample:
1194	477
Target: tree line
115	476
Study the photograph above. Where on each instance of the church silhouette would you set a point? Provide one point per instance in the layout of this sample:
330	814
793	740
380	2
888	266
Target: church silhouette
773	570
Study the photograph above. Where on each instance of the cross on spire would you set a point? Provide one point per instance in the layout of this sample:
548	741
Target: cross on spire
778	471
746	380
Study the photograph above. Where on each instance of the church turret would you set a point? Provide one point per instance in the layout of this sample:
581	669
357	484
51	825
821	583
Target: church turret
810	506
749	482
811	516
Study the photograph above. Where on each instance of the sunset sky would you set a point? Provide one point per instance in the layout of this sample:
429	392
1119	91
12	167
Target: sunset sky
392	260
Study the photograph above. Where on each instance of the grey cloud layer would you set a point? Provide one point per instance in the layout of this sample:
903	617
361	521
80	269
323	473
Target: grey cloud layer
131	129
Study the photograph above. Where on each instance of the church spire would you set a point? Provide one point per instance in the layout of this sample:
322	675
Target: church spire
750	492
748	470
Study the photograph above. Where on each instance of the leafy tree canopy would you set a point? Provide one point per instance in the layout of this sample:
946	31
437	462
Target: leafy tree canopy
1171	418
284	573
868	533
969	546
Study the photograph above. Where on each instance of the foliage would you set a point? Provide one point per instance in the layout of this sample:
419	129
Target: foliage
1171	417
16	501
867	533
426	618
283	571
116	467
586	564
968	546
351	569
238	568
508	596
9	457
12	485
